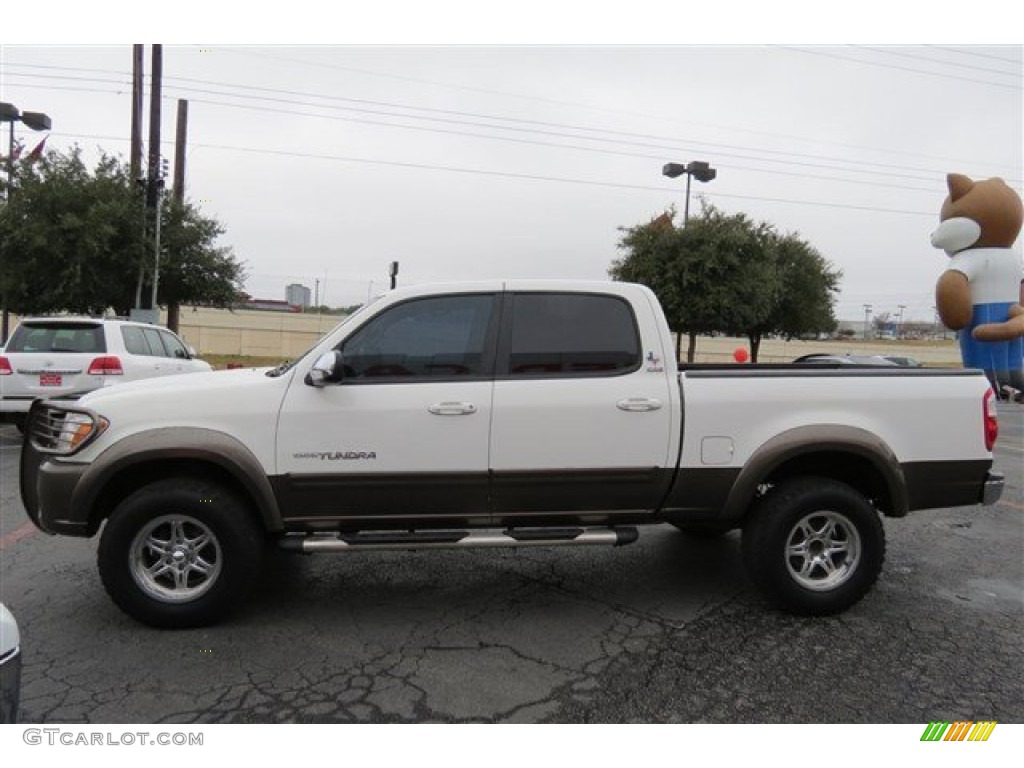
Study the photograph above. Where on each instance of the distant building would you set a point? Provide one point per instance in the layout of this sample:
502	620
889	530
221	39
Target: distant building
270	305
297	295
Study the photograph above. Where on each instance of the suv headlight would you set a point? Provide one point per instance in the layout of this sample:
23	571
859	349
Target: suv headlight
58	431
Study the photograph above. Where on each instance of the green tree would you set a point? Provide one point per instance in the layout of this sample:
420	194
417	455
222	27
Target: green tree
192	268
728	273
806	285
73	240
711	275
68	236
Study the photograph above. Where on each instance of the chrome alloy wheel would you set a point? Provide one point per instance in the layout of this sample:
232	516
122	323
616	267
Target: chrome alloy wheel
175	558
822	551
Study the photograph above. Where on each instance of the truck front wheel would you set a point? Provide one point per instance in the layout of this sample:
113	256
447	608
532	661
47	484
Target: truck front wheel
178	553
813	546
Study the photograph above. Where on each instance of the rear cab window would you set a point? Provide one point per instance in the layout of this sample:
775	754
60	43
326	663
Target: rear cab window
57	337
568	335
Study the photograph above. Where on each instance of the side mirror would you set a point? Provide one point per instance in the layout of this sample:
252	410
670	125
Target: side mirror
325	370
192	352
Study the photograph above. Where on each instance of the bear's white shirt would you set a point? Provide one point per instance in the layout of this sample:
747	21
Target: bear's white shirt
995	274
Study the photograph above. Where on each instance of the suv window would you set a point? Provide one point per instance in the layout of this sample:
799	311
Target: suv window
173	346
134	340
431	338
569	335
57	337
155	345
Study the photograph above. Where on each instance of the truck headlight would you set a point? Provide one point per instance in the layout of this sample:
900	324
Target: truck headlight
58	431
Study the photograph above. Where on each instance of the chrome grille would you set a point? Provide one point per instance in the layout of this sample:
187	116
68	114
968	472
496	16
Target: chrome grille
45	426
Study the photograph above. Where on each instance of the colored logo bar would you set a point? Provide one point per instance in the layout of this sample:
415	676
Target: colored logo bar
959	731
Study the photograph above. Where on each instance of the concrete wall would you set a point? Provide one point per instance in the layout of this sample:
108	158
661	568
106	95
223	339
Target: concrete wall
285	335
252	333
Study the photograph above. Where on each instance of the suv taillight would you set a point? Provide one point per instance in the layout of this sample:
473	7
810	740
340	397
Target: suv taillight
106	366
5	366
988	410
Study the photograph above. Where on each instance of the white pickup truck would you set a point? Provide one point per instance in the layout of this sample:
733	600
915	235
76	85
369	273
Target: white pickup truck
502	414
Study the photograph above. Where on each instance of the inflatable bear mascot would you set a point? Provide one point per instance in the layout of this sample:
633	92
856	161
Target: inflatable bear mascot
980	293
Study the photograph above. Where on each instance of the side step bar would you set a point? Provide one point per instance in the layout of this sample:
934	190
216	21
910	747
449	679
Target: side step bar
511	537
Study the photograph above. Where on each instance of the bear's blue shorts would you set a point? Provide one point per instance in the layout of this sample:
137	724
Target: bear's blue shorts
991	356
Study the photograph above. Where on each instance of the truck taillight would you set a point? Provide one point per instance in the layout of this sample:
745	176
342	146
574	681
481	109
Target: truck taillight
988	409
5	366
109	365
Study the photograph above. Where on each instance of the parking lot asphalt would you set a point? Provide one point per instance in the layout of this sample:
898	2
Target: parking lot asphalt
666	630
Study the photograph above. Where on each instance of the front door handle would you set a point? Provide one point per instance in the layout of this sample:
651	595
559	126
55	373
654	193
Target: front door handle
452	409
639	404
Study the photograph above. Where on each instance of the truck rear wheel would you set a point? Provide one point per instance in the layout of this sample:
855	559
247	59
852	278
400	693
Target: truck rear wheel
178	553
813	546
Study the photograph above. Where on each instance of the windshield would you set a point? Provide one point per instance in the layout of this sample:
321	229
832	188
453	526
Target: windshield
287	365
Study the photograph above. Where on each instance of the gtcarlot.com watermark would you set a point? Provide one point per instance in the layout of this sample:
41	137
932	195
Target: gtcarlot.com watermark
66	737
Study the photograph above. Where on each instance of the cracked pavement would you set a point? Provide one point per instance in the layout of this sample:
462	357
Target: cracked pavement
665	630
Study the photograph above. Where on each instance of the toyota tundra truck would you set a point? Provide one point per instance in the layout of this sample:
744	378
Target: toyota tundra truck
501	414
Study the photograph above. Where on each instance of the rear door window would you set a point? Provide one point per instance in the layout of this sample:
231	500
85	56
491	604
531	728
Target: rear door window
568	335
57	337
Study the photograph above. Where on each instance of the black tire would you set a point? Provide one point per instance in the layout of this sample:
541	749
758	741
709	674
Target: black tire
704	531
179	553
813	546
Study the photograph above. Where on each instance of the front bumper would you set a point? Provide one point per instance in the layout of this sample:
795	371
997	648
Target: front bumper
47	491
993	489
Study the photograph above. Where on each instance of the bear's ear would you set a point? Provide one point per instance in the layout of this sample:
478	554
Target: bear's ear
959	185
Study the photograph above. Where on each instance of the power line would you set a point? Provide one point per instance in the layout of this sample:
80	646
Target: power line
864	167
976	53
590	106
904	69
537	177
889	52
873	183
511	175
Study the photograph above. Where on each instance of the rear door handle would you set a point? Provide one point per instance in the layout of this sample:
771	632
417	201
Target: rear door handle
452	409
639	404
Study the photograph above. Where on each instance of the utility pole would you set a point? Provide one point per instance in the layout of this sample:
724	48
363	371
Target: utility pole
178	193
153	166
180	142
137	75
135	165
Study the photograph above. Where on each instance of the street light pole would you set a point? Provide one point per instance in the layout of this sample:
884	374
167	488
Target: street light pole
37	121
695	168
867	320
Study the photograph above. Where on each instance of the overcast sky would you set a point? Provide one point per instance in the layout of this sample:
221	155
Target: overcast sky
328	162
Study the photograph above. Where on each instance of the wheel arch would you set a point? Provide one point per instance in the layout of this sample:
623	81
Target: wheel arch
155	455
850	455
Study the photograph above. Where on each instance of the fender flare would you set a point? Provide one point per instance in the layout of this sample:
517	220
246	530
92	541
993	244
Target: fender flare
193	443
809	440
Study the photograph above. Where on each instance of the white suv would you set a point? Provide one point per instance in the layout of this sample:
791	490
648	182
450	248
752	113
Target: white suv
51	356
